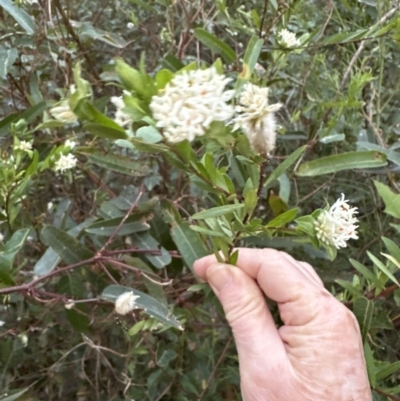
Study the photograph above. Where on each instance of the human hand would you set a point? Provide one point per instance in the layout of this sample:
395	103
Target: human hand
317	355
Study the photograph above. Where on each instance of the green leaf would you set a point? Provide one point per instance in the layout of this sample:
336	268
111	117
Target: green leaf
120	164
387	371
189	243
369	359
13	395
283	218
363	309
146	241
343	161
149	305
251	56
50	259
217	211
154	289
215	45
370	276
20	15
391	199
104	131
11	248
393	249
382	267
285	165
133	224
250	201
134	80
69	249
7	58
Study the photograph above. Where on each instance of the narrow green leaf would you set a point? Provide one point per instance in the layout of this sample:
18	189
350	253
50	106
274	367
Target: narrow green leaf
217	211
189	243
391	199
285	165
369	359
11	248
120	164
104	131
363	309
13	395
145	241
149	305
20	15
106	228
67	247
343	161
7	58
155	290
382	267
283	218
50	259
366	273
393	249
387	371
215	45
251	56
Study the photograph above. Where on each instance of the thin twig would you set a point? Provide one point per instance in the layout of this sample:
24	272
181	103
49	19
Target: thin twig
215	369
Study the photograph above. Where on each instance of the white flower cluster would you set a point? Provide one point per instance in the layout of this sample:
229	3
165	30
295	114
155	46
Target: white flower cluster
190	103
288	39
65	162
256	118
121	117
126	303
24	146
337	225
63	113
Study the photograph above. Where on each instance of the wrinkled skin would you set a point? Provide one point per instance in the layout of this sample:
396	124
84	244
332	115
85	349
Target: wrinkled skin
316	355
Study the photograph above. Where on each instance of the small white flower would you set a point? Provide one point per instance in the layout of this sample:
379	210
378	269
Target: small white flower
69	305
256	118
121	117
63	113
50	206
2	323
1	237
190	103
24	146
130	25
288	39
70	144
337	225
65	162
125	303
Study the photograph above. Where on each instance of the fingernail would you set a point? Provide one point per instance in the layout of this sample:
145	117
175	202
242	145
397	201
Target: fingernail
219	276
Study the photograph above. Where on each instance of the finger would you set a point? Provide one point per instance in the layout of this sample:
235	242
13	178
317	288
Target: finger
312	274
282	279
246	311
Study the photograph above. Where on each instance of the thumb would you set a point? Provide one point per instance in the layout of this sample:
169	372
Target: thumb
246	311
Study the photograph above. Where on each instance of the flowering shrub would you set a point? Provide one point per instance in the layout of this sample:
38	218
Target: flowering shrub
176	130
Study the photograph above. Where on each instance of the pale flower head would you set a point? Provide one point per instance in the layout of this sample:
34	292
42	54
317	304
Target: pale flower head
126	303
63	113
1	237
337	225
288	39
256	118
70	144
121	117
65	162
24	146
2	323
189	104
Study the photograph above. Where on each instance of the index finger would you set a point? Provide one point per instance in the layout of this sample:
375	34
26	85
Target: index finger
282	279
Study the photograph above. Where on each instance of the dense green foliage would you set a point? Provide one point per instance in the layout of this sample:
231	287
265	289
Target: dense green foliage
136	211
